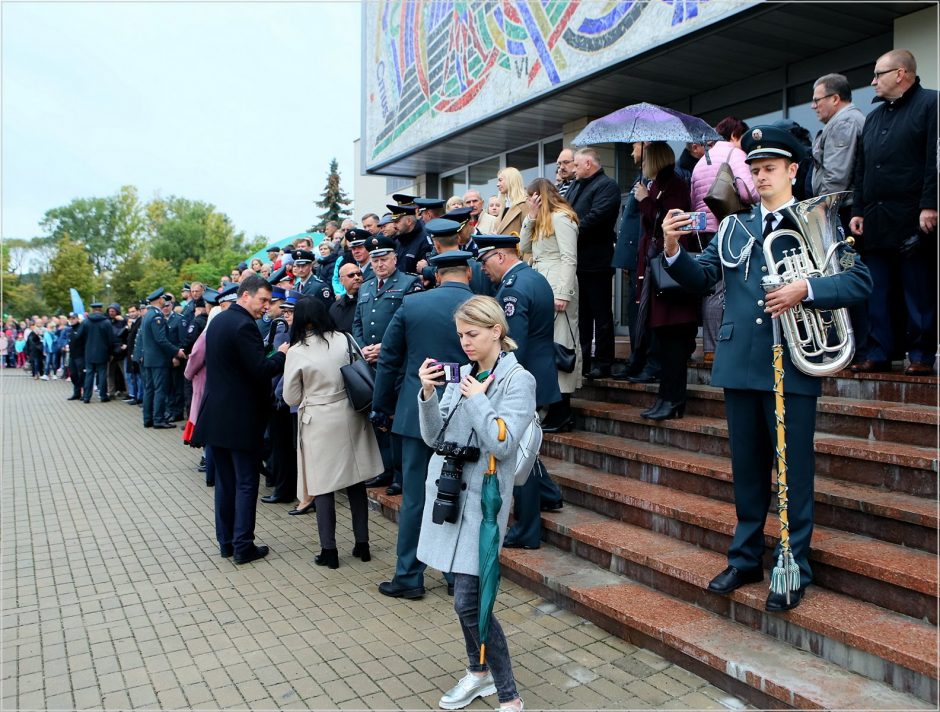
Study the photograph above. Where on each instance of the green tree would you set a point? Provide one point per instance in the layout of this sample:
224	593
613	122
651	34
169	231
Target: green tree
19	295
333	201
70	267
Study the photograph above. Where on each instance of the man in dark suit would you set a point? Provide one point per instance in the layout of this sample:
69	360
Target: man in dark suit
233	415
99	345
422	327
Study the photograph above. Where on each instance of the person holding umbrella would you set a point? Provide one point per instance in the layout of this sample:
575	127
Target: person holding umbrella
478	419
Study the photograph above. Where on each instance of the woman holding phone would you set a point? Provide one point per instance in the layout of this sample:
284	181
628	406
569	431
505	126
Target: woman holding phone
493	385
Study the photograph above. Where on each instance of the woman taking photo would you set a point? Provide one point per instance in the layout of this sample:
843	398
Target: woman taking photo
492	386
550	236
673	316
511	188
313	383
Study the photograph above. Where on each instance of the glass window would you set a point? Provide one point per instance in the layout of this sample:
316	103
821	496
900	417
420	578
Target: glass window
454	184
526	160
483	176
550	151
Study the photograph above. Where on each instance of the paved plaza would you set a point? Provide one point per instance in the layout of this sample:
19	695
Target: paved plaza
115	597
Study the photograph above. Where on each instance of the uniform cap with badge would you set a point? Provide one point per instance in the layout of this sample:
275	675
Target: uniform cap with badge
386	219
771	142
356	236
400	211
380	245
229	294
404	199
278	294
303	257
441	227
430	203
459	215
452	258
155	295
290	300
211	296
485	243
278	276
96	305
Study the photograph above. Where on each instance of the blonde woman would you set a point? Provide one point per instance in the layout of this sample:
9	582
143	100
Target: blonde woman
453	202
511	187
493	385
549	239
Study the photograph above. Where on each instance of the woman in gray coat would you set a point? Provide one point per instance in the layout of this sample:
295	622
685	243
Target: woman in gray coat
492	386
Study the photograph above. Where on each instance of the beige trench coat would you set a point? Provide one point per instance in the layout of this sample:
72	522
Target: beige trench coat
555	257
336	446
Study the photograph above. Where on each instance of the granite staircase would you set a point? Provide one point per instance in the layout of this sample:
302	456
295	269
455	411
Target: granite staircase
649	514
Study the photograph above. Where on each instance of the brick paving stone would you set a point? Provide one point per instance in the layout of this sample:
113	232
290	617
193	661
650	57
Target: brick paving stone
121	601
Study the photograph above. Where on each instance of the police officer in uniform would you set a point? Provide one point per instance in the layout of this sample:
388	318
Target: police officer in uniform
176	333
155	353
448	234
413	243
529	304
76	356
307	282
422	327
430	208
379	299
99	343
744	358
357	239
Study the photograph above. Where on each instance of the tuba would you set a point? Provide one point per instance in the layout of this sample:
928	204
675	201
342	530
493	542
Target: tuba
821	341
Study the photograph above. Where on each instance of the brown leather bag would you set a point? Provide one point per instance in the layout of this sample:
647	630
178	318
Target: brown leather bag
723	198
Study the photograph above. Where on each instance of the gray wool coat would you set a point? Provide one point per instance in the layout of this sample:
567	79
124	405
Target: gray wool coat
511	396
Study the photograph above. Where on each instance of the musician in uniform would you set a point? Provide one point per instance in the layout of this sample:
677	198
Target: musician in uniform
744	356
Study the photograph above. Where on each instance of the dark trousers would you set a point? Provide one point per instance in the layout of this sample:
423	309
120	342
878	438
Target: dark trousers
155	384
390	448
77	374
174	393
676	344
91	370
596	317
210	467
236	498
283	453
752	431
35	361
358	508
527	506
467	606
916	277
409	572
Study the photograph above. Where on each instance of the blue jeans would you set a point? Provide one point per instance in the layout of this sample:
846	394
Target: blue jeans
467	603
134	385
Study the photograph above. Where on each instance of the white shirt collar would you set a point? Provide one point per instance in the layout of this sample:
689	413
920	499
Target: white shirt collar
778	215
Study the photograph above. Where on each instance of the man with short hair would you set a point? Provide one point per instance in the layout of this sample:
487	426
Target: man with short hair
234	413
565	166
131	368
895	213
370	222
343	310
595	198
99	345
483	222
154	352
307	283
76	356
429	208
413	245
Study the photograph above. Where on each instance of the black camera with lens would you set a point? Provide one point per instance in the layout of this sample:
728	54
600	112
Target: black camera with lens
449	484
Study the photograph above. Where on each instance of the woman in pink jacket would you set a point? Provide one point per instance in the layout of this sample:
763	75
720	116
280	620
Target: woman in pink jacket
703	176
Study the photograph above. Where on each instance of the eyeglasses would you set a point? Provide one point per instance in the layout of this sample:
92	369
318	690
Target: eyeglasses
482	260
350	275
886	71
817	99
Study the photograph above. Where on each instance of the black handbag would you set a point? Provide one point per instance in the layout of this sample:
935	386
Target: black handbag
358	377
663	284
565	357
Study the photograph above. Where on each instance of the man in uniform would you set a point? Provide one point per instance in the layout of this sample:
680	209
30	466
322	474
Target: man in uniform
422	327
155	354
76	356
430	208
307	282
744	356
99	345
413	245
379	299
529	304
446	237
175	332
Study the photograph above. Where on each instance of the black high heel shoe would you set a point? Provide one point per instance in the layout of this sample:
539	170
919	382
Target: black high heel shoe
311	507
667	411
653	408
361	549
327	557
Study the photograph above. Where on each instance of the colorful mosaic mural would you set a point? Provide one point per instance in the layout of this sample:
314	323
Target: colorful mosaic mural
433	66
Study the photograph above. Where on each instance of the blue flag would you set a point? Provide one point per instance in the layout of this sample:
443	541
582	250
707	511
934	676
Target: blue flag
77	306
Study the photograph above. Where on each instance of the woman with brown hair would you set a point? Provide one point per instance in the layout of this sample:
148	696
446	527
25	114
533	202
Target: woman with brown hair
549	239
511	187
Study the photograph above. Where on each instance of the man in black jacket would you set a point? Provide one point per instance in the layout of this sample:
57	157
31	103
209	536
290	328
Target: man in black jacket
895	213
76	356
233	415
595	197
99	345
343	310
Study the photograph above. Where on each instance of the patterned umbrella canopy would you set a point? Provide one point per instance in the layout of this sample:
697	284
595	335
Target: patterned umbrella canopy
490	502
646	122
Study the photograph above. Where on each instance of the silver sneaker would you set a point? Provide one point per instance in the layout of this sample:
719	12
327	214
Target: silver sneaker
512	708
467	690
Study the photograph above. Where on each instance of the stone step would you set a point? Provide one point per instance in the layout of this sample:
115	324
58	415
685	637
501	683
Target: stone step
896	466
872	420
767	672
894	386
864	638
891	576
895	517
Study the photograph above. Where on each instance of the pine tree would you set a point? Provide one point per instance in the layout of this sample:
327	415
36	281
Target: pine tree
334	200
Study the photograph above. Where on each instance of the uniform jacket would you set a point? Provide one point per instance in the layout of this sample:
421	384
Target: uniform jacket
744	349
76	342
197	324
510	223
704	174
234	410
313	383
153	343
99	338
455	547
526	298
835	150
132	332
412	248
596	200
423	327
314	287
896	169
375	309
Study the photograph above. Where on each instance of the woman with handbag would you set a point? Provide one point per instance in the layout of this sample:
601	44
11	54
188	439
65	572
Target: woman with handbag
673	313
492	386
550	238
511	188
313	383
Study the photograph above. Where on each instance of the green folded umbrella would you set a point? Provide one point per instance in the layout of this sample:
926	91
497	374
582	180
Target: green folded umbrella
490	502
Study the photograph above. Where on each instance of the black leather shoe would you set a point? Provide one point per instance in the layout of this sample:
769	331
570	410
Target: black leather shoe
74	398
653	408
105	400
394	590
273	499
327	557
552	506
561	427
778	601
666	411
450	590
225	552
163	426
311	507
393	489
148	425
259	552
382	480
599	372
514	544
361	549
732	578
644	376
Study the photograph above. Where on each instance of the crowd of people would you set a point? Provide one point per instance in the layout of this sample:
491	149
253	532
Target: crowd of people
446	299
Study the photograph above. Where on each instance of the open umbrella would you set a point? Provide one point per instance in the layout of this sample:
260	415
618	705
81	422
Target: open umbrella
490	503
646	122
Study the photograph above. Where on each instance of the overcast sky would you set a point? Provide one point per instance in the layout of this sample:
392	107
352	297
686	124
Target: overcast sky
241	104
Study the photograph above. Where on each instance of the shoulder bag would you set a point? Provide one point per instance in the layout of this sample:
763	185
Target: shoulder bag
566	357
723	198
358	377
